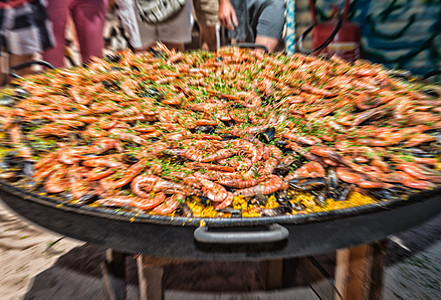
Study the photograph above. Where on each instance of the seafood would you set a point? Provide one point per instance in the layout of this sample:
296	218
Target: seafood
235	133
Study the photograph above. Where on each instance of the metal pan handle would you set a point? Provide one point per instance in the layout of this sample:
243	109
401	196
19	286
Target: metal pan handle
251	46
276	233
28	64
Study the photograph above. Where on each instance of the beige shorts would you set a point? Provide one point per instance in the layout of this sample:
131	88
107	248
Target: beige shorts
206	11
177	30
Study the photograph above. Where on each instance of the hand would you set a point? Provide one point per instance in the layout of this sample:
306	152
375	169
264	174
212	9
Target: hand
227	15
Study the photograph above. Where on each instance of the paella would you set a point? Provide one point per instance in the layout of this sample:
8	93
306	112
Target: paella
237	133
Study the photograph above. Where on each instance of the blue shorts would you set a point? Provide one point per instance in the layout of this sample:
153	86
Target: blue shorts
258	18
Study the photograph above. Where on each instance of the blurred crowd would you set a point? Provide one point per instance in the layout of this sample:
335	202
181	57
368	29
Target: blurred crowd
30	27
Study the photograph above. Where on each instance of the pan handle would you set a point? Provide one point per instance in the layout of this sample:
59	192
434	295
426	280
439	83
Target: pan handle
26	64
276	233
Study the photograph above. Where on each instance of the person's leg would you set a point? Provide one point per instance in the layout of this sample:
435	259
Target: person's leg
58	12
270	22
206	14
17	59
177	32
89	17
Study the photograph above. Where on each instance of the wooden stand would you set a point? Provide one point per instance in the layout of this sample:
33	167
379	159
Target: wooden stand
358	274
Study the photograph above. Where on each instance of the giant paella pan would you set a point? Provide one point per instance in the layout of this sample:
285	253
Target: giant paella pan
265	155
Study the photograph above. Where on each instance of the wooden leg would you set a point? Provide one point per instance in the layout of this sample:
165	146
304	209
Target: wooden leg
359	272
272	274
113	270
316	277
150	273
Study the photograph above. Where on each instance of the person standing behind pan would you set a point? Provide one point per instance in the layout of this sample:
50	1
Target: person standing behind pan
24	31
206	12
173	33
256	21
88	16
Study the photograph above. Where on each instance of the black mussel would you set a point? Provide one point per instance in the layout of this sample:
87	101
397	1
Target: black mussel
21	93
130	159
320	197
283	197
333	183
184	210
395	193
151	92
204	200
153	139
432	92
342	192
12	160
204	129
135	68
28	169
6	100
229	137
280	143
237	105
113	68
298	206
400	74
66	195
111	86
258	200
158	53
276	211
235	213
307	184
112	58
268	135
229	123
266	100
88	198
219	59
419	152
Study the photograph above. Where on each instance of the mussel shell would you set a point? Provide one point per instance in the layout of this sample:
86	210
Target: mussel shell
266	100
307	184
204	200
283	197
320	197
151	92
237	105
219	59
130	159
419	152
204	129
229	123
267	135
276	211
431	92
111	86
260	200
21	93
184	210
395	193
88	198
112	58
6	100
227	137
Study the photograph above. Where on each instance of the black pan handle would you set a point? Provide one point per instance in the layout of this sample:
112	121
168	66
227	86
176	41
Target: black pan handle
28	64
251	46
276	233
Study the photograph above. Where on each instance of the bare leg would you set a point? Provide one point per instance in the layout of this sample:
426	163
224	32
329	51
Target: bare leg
175	46
208	38
268	42
14	60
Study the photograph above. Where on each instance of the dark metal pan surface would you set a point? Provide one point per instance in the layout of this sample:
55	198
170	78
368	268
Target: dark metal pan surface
224	239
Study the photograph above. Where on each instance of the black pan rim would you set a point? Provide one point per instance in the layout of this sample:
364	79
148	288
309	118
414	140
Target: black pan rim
215	222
